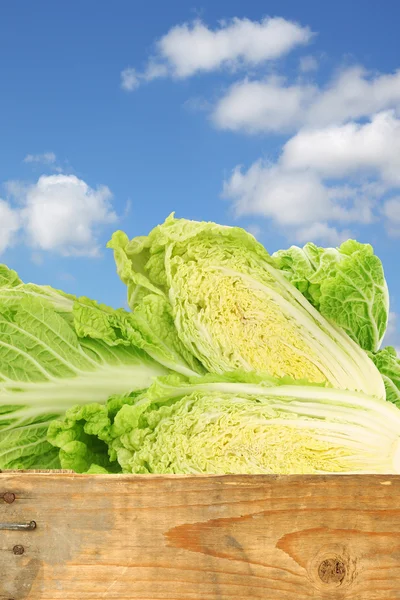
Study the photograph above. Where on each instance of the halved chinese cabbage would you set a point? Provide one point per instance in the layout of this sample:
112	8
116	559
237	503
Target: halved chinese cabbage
233	309
232	424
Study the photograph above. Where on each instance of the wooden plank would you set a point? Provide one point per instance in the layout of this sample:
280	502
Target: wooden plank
210	538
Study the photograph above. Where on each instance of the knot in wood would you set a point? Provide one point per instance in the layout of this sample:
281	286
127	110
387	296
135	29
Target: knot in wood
332	570
9	497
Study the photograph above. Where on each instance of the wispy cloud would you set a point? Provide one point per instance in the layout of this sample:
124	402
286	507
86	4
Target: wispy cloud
47	158
66	277
129	79
192	48
391	212
307	64
197	104
9	224
47	161
392	335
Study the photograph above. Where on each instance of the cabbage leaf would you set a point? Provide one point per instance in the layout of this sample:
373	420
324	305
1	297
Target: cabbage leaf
388	363
346	285
57	351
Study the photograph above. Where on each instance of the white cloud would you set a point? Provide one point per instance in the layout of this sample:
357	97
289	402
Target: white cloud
155	70
255	106
47	158
59	213
299	203
15	189
308	63
324	232
304	192
197	104
9	225
294	198
342	163
129	79
132	79
353	94
192	48
342	150
266	189
391	211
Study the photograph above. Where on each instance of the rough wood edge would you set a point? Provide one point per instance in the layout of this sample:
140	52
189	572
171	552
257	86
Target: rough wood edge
384	478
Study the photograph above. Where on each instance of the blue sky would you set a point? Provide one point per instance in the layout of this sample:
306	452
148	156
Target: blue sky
281	117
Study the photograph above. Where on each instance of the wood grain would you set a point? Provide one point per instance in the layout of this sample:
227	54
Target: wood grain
209	538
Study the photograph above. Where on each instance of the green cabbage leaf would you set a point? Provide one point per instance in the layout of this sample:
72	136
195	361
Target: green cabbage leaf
388	363
346	285
57	351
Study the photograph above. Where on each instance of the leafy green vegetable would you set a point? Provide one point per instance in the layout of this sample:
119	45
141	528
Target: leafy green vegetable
198	425
346	285
295	383
83	436
232	309
55	352
388	364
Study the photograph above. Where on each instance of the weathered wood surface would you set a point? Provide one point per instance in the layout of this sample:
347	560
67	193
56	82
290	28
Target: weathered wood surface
192	538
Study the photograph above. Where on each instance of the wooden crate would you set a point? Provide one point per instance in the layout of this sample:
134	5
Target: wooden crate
191	538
